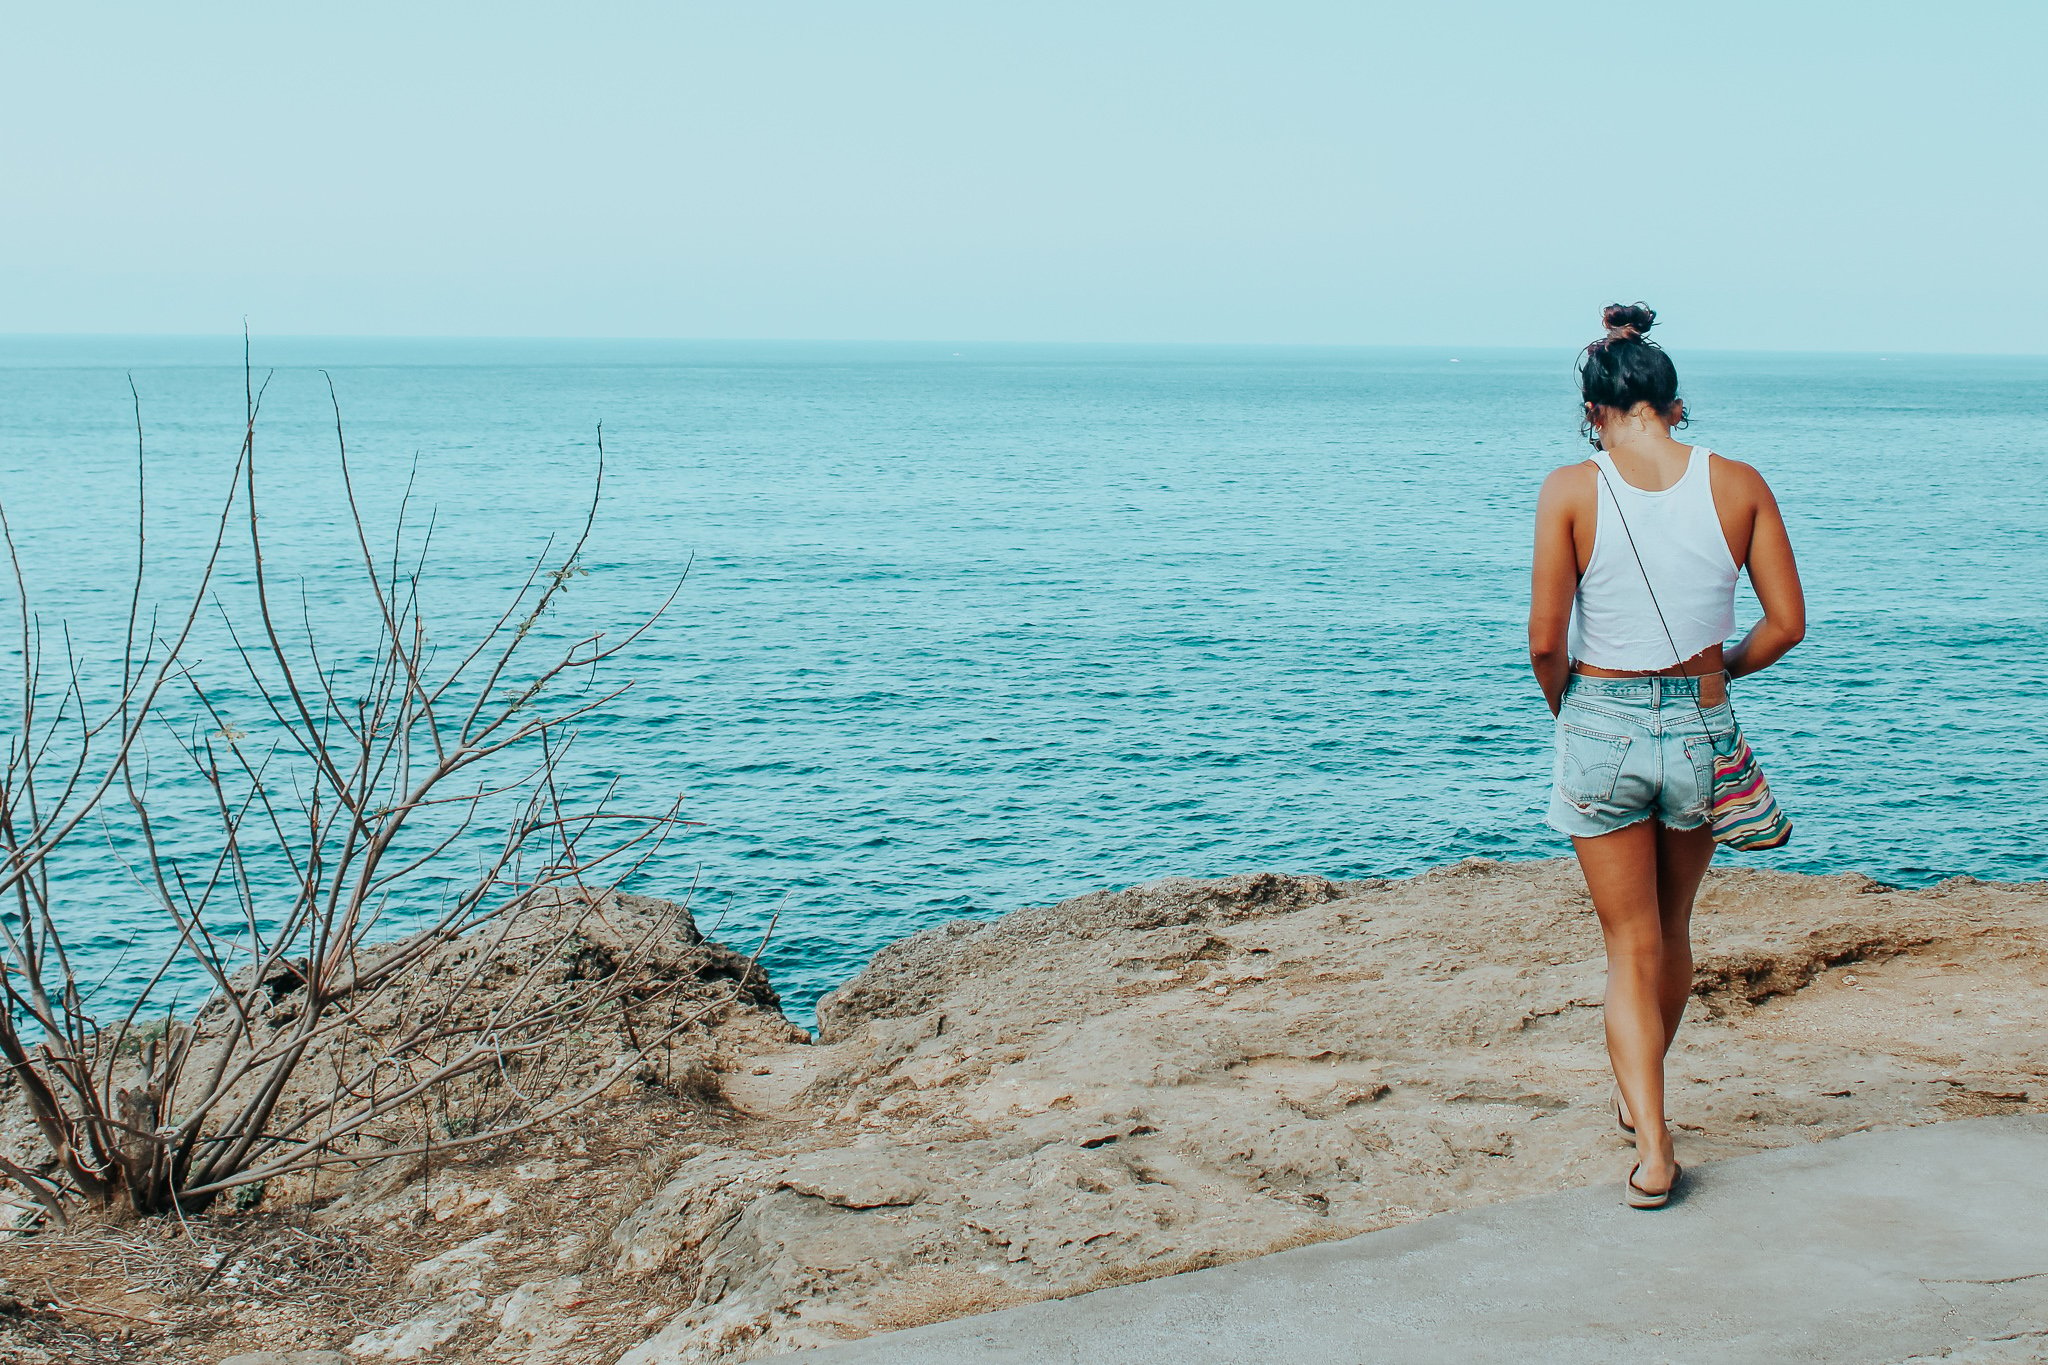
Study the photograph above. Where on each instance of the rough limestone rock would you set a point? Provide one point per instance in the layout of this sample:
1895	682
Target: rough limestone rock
1138	1082
537	1318
862	1178
694	1208
459	1270
418	1336
910	975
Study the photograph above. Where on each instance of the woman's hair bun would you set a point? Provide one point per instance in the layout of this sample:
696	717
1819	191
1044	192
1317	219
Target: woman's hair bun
1628	321
1625	369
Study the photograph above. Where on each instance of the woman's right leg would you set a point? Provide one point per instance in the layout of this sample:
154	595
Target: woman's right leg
1682	859
1621	873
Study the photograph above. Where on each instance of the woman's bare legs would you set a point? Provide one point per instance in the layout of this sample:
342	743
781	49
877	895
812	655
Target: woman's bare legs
1682	859
1643	879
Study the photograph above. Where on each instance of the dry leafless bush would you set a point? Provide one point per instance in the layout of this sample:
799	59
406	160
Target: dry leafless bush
414	786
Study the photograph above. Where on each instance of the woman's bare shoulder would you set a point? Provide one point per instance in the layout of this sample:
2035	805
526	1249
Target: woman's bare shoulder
1733	476
1568	481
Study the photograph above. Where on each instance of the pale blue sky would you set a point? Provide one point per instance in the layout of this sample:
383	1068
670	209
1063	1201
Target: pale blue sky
1864	176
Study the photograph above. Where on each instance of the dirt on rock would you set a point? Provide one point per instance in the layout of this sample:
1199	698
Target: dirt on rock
1123	1085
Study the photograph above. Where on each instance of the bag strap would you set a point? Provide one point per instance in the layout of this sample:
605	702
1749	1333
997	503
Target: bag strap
1678	659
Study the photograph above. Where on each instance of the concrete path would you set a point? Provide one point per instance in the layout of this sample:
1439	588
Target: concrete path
1914	1244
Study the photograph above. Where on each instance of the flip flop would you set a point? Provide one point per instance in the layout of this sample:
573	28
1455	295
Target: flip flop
1627	1129
1639	1198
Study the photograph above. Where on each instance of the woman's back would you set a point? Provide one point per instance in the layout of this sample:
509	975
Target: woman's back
1659	585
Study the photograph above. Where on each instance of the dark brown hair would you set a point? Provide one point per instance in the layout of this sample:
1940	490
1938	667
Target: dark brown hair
1625	367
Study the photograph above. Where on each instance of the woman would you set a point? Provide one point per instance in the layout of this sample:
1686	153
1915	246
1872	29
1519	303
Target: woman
1637	552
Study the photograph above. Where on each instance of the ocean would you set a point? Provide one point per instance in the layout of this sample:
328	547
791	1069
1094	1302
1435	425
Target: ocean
968	627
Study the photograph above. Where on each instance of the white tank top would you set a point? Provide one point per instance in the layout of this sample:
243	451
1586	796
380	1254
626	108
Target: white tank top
1686	556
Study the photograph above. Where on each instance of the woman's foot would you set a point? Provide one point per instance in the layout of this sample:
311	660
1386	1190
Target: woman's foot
1656	1168
1642	1193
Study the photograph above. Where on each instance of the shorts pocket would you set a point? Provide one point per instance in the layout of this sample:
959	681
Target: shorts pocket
1699	750
1588	762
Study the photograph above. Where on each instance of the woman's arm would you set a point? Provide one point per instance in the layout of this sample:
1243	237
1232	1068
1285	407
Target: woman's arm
1555	580
1775	576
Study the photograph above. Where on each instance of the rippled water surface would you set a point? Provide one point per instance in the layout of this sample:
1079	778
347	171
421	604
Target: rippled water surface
970	627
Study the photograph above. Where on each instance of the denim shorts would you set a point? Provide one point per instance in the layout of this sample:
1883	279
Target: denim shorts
1628	749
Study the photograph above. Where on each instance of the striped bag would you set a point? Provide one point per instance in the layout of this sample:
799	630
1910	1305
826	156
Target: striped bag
1745	814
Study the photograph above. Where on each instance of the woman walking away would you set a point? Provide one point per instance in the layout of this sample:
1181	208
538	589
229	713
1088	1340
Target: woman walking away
1637	552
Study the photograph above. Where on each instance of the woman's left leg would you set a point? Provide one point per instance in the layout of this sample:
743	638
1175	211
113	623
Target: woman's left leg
1682	859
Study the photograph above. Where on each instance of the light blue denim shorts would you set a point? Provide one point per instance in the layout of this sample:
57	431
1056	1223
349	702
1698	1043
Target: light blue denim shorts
1628	749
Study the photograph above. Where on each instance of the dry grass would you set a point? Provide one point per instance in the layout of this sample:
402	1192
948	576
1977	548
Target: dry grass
37	1338
163	1290
147	1284
938	1293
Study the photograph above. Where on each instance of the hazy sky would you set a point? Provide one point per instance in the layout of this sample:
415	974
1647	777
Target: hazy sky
1797	174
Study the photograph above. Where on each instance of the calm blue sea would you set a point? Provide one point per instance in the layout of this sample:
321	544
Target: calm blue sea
969	627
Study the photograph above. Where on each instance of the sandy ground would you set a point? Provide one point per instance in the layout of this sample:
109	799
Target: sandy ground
1117	1087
